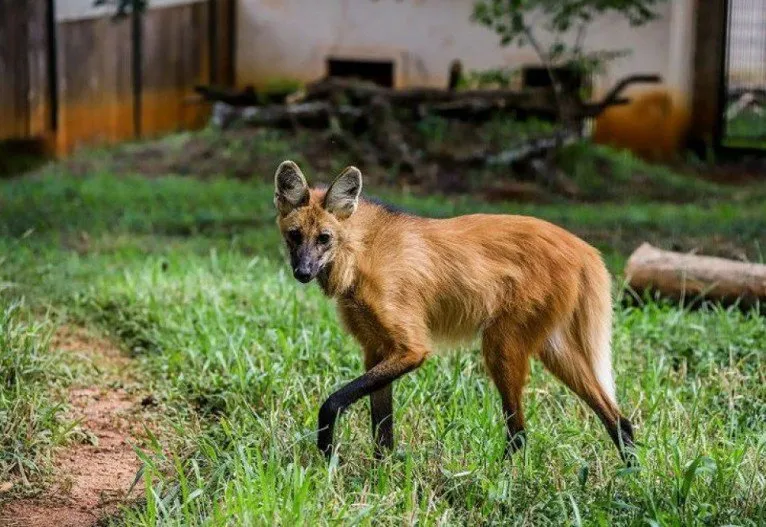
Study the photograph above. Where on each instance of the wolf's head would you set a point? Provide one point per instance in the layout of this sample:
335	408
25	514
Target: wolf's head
312	220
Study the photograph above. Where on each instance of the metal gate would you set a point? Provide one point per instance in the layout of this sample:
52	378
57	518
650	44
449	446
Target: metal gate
744	111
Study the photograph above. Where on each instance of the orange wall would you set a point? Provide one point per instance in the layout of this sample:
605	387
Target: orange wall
654	125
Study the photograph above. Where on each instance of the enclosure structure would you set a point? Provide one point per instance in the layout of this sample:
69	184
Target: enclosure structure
74	75
417	40
709	52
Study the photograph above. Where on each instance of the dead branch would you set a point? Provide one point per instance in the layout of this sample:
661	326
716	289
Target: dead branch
246	97
361	92
315	114
533	147
520	153
613	98
350	99
370	120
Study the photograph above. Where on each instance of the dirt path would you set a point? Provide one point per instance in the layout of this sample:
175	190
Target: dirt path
92	476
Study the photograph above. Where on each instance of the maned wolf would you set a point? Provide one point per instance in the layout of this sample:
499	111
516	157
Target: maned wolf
402	283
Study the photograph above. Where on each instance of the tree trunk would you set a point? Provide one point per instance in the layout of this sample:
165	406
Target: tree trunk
690	277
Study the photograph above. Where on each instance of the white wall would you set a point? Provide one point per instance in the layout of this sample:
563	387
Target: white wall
293	38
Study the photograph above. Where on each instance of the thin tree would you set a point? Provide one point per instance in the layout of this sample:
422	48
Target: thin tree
519	23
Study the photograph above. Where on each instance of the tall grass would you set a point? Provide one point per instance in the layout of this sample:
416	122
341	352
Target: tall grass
30	415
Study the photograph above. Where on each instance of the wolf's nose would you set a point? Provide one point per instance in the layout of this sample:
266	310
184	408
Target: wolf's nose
302	275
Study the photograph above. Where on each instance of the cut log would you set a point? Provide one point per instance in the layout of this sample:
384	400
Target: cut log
689	277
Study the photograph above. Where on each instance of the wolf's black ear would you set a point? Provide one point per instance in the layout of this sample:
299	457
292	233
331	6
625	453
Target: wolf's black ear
290	188
342	197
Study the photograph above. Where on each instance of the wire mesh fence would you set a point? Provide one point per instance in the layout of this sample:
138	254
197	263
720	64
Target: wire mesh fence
745	75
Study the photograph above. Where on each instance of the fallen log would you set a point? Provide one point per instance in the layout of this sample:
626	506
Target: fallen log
691	277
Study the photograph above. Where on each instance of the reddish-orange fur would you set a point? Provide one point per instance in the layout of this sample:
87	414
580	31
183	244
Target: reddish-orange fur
653	125
529	288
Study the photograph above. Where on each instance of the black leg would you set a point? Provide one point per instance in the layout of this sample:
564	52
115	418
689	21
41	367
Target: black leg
378	377
621	433
514	426
625	443
382	412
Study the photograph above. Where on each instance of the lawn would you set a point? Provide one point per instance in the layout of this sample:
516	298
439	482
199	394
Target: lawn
187	275
746	130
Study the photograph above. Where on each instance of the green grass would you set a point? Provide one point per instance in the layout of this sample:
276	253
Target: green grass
746	130
30	414
188	276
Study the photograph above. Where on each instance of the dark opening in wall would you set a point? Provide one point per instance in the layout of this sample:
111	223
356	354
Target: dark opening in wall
378	71
538	77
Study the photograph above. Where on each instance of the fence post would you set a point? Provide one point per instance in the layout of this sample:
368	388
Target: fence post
709	59
212	41
136	37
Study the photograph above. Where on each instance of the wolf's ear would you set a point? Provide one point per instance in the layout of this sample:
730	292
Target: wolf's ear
342	197
290	188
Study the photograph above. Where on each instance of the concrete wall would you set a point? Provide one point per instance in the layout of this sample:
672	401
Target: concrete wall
293	38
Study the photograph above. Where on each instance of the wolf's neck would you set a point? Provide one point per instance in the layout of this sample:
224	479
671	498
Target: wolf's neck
338	277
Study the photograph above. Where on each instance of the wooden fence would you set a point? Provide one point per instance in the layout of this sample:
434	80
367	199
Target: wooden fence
75	80
24	110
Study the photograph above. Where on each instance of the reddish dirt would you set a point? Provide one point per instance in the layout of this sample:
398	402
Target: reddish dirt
91	478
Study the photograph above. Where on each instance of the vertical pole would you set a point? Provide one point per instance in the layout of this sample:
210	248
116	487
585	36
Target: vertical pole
52	62
212	35
136	36
723	84
231	24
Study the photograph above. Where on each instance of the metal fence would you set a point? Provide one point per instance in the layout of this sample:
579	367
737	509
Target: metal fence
744	119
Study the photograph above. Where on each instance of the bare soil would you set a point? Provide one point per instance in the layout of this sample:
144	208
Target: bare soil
93	475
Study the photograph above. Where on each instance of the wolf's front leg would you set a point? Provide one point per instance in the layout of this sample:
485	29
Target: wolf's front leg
377	378
382	413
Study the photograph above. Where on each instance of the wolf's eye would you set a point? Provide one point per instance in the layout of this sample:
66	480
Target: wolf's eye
323	238
294	235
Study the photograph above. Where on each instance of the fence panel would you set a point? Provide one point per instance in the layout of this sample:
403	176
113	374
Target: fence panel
744	119
23	69
175	57
95	82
